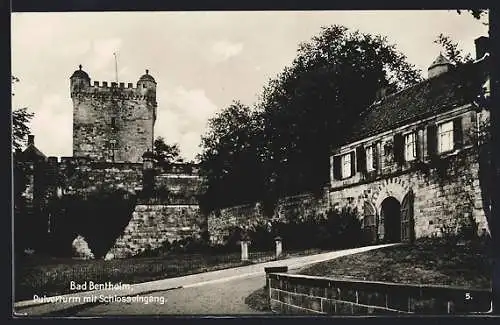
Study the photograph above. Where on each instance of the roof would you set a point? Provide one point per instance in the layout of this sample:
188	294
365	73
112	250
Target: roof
80	73
440	60
433	96
31	153
147	77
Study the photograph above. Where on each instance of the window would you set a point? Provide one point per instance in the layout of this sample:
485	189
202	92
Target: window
445	137
370	163
346	165
113	122
410	146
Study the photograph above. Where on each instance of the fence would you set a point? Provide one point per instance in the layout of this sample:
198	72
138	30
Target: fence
301	294
51	276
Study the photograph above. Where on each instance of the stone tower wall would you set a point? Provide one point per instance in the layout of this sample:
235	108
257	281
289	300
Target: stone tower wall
113	123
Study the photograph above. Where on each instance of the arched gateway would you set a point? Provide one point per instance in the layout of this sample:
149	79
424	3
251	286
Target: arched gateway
390	219
396	220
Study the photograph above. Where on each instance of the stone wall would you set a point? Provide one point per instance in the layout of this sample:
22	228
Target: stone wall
103	114
152	225
444	192
302	294
80	177
287	209
178	188
81	182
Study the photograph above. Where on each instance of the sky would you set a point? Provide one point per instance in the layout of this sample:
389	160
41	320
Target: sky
201	61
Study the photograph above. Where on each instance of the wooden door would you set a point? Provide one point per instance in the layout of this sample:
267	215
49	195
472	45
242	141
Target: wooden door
407	220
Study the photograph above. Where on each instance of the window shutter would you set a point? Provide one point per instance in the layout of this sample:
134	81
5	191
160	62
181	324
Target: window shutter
361	156
432	140
336	167
353	163
376	157
457	133
473	118
474	134
420	144
399	148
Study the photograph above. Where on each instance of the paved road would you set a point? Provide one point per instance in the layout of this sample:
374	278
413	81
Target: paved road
213	298
213	293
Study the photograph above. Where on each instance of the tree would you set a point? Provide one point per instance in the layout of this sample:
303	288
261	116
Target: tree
282	145
20	123
165	153
310	106
477	14
452	51
231	159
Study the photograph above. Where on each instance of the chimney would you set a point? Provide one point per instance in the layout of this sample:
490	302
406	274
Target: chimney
482	46
31	139
439	66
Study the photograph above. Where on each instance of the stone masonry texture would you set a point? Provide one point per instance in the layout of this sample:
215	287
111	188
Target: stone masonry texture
152	226
287	209
113	123
320	295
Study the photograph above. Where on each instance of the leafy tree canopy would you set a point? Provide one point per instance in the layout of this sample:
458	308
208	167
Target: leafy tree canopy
282	146
312	103
452	50
20	123
166	153
231	159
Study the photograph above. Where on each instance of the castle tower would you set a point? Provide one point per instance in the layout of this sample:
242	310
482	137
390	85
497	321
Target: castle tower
112	122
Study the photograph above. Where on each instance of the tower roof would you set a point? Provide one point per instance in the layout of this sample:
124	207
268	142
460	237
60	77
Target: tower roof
80	73
147	77
440	60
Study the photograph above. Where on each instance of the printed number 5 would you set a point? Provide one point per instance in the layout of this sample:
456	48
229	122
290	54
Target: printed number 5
468	296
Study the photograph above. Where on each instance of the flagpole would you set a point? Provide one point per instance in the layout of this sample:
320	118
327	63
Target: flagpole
116	68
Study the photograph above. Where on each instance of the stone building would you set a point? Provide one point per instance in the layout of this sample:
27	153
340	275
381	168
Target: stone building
411	164
113	130
112	122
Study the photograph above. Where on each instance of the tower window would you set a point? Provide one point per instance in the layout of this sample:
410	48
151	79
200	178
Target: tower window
113	122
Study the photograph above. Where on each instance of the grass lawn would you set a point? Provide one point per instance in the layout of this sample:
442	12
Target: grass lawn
52	276
425	262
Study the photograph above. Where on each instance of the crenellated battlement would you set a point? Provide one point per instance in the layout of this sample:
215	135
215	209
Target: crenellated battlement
105	84
103	90
179	169
63	162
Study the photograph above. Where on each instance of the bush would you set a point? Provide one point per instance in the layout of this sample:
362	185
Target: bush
261	238
349	230
468	228
336	230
